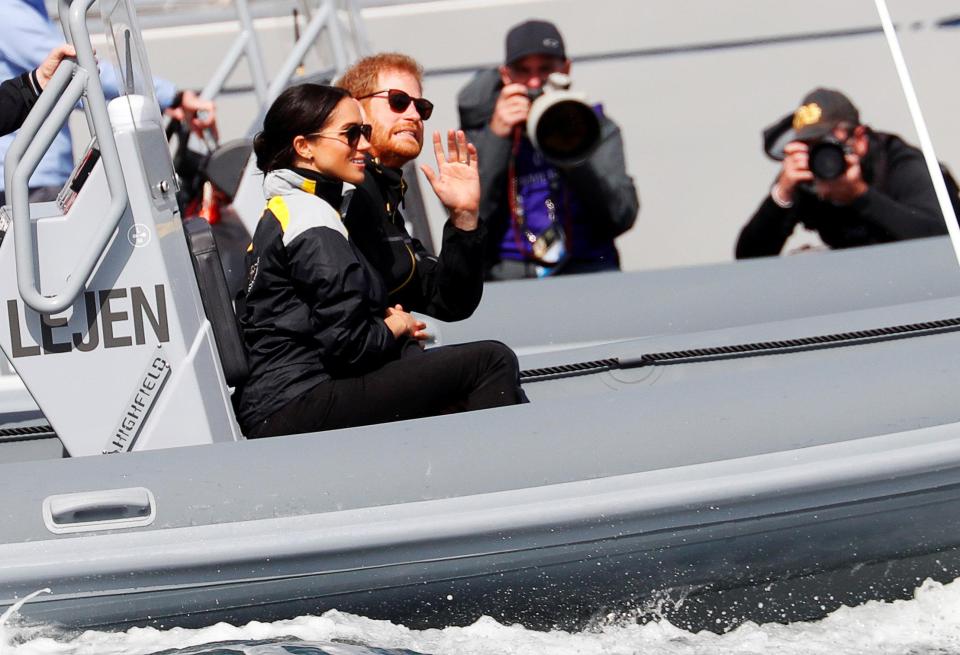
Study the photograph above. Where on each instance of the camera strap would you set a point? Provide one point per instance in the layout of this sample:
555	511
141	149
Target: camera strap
549	249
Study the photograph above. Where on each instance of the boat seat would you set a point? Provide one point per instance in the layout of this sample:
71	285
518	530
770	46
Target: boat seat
217	303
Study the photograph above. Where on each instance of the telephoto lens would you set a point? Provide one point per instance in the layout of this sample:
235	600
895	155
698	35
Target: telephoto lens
827	159
561	125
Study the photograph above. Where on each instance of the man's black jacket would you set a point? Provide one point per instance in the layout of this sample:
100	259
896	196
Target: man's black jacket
447	287
900	204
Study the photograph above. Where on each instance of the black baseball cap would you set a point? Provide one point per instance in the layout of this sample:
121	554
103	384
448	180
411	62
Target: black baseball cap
534	37
819	113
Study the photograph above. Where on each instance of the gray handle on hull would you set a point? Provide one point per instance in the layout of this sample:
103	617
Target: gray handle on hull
33	140
85	511
84	508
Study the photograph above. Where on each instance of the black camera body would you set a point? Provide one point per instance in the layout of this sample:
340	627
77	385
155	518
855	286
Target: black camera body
828	158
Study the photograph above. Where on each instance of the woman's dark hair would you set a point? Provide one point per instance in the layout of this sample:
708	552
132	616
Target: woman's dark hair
301	109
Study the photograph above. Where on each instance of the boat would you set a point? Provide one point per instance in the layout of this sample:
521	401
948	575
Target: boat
725	441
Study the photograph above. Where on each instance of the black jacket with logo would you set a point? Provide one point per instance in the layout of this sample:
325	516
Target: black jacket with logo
448	287
314	307
900	204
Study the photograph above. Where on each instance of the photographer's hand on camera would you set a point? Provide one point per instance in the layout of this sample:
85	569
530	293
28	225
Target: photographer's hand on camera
845	189
512	108
796	170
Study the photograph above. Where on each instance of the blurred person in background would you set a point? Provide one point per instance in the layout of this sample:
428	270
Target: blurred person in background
542	218
840	178
389	87
27	35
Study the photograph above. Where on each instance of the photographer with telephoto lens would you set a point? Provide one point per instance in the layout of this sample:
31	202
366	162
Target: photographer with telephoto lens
555	192
852	185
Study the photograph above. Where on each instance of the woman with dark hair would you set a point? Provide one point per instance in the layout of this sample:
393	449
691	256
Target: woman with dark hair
325	350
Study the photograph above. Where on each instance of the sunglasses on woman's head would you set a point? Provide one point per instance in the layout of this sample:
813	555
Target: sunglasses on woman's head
400	100
353	134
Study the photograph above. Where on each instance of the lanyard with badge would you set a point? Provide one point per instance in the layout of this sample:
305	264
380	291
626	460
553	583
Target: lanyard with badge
549	248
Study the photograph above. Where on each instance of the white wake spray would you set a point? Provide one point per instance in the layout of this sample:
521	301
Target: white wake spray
6	617
928	623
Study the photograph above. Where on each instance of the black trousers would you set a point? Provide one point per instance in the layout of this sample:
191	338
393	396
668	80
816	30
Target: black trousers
464	377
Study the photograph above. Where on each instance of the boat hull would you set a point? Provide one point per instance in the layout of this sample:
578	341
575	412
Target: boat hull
733	476
542	557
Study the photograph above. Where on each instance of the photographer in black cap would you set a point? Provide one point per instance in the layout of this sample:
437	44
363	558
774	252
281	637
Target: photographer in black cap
543	216
852	185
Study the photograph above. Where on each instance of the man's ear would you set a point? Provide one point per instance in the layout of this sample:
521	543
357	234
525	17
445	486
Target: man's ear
565	69
505	76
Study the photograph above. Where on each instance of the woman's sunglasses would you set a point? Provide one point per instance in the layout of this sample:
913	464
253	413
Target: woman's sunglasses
400	100
353	134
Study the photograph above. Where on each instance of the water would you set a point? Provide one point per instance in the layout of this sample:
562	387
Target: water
927	624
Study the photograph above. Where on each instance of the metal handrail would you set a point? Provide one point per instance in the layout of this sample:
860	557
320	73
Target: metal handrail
300	49
63	6
33	140
246	43
360	36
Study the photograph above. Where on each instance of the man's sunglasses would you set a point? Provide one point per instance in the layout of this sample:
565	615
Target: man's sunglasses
400	100
353	134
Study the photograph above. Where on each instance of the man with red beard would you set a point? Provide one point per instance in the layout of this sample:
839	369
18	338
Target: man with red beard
448	287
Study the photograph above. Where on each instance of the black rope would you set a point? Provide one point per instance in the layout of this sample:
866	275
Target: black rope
27	432
754	349
569	370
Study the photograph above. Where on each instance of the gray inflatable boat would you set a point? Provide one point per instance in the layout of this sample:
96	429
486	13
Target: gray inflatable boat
728	436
